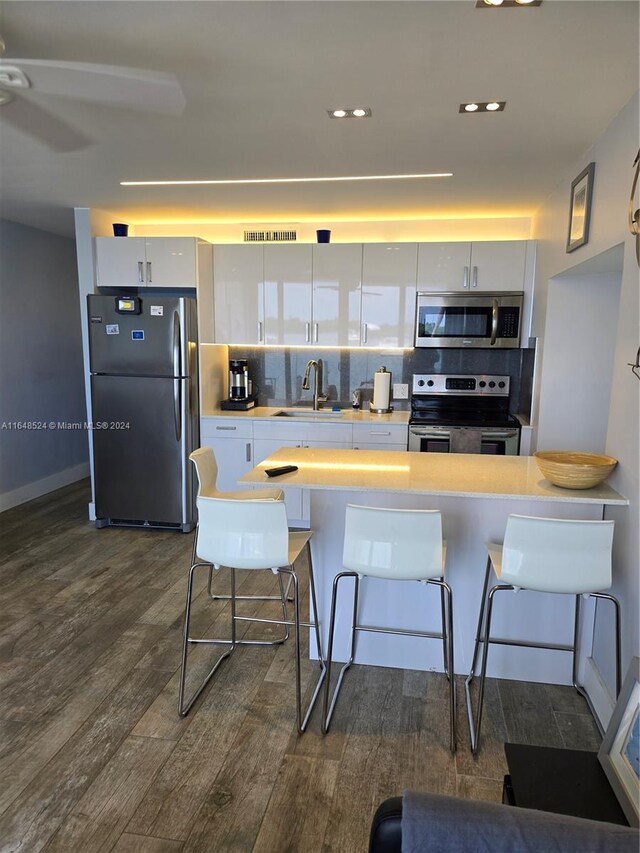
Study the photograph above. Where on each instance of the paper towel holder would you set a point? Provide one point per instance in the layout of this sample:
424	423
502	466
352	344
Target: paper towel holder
389	407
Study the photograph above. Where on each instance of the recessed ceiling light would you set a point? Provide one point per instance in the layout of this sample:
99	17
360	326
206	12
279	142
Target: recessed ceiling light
286	180
483	107
350	112
505	4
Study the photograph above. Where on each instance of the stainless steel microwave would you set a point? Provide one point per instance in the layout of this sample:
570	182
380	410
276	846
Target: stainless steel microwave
468	320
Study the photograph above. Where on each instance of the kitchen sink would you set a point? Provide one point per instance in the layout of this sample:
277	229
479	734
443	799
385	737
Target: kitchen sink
307	414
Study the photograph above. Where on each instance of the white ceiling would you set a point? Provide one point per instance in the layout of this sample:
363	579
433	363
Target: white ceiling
259	76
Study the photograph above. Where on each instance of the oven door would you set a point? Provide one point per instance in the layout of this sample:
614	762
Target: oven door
462	320
491	441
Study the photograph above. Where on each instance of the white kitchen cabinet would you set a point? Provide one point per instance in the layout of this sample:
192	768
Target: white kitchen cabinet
232	443
380	437
388	294
288	294
336	277
238	276
147	262
490	265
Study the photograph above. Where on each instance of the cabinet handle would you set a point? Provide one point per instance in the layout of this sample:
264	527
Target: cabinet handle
248	451
307	332
140	272
465	277
149	278
227	428
364	333
315	333
381	432
259	331
474	280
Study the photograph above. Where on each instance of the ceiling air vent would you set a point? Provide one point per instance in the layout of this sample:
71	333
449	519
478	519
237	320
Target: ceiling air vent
264	235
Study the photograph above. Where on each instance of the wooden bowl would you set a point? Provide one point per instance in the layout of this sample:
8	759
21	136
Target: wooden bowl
573	469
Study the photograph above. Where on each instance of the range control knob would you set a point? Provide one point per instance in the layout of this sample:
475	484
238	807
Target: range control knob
492	384
501	384
431	383
421	382
482	383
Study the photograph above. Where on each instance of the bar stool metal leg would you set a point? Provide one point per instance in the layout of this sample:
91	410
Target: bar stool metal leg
474	730
576	632
447	639
184	706
327	710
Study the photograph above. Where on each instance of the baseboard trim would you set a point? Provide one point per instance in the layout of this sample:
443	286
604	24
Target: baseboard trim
600	698
42	487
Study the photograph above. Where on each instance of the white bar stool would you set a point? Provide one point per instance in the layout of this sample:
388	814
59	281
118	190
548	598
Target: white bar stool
206	467
250	535
544	555
401	545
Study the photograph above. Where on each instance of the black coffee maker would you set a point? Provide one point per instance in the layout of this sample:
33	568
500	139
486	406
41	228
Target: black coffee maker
241	396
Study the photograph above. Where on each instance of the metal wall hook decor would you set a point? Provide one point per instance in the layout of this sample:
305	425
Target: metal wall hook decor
634	215
635	367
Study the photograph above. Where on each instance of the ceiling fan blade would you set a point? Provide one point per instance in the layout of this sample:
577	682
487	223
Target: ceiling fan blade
43	125
132	88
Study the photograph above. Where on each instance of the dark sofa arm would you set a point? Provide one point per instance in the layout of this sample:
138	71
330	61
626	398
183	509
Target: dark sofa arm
386	827
432	823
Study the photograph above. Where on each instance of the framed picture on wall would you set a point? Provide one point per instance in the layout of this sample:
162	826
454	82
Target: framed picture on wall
619	754
580	208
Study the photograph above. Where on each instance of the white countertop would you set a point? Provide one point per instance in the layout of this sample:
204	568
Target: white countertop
453	474
351	416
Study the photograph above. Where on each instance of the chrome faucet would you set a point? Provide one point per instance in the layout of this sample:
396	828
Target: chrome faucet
318	396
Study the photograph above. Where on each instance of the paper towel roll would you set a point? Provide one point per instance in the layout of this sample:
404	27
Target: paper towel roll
381	389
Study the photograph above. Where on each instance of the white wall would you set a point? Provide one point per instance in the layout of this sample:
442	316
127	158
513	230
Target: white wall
40	364
613	154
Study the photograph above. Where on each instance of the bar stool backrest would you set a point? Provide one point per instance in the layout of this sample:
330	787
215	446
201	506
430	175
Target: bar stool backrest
243	534
557	555
400	544
207	469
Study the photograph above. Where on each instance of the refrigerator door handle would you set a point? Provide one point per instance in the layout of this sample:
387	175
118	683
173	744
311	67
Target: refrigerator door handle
177	408
176	345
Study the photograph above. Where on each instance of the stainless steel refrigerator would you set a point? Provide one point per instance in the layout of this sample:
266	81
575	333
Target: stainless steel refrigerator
145	410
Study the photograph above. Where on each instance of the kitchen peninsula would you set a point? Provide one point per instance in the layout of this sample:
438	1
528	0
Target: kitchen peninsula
475	494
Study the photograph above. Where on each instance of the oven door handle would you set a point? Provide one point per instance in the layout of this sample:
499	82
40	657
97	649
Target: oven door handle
494	321
430	432
510	433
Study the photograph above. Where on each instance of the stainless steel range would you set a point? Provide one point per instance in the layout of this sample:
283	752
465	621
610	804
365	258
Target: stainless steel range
462	414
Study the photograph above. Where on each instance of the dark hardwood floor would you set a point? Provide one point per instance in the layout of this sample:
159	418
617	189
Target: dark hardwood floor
93	754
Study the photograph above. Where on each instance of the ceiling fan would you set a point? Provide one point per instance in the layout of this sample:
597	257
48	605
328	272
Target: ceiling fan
108	85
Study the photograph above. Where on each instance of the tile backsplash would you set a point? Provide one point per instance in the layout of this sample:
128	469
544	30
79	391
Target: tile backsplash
277	372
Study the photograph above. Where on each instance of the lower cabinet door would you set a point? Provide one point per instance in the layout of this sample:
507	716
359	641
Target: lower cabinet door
234	458
263	447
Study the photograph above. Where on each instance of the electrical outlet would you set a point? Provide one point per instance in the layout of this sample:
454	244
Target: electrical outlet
400	391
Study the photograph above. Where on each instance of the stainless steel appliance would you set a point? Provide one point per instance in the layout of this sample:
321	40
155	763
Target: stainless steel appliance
468	320
239	382
241	396
462	414
144	395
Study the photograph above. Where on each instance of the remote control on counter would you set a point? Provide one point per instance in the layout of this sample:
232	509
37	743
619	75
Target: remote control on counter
275	472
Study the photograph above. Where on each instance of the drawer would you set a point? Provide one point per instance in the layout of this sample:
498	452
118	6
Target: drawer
380	434
221	427
303	431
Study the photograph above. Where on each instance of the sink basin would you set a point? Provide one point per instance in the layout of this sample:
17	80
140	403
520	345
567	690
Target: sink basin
307	414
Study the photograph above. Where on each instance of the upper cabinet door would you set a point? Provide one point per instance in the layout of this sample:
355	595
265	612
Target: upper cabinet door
498	265
444	266
120	261
389	273
238	294
287	294
171	262
337	275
